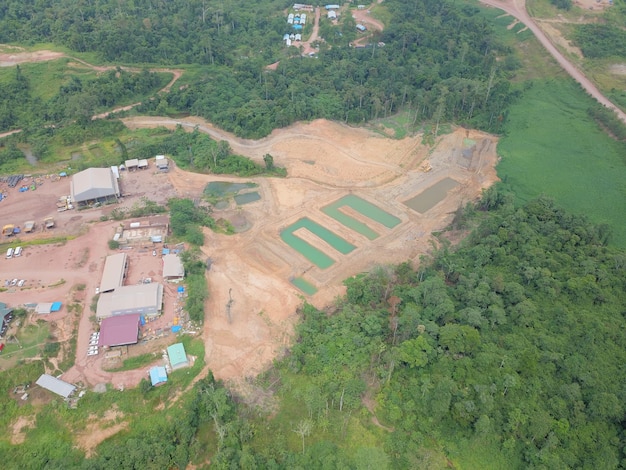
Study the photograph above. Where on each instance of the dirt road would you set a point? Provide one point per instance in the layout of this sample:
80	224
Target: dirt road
19	55
307	45
517	8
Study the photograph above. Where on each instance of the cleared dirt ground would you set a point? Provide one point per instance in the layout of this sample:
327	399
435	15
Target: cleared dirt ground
325	161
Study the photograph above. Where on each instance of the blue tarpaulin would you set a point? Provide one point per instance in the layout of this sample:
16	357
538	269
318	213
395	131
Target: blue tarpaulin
142	319
181	289
165	251
176	328
56	306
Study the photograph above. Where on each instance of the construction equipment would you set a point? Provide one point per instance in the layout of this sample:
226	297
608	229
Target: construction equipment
48	222
29	226
7	230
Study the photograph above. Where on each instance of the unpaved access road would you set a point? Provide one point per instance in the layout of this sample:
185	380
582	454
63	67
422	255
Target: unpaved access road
517	9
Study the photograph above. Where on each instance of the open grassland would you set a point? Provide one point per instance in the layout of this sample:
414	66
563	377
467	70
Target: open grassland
45	78
531	59
552	147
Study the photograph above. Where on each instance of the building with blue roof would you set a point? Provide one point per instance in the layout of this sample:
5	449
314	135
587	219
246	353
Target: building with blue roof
158	376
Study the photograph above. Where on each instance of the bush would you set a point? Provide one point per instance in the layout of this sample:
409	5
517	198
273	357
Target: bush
113	244
51	349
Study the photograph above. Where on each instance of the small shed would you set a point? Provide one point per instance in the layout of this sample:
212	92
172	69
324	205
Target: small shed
55	385
132	164
43	308
142	164
173	270
298	37
161	163
178	356
361	28
158	376
5	311
332	15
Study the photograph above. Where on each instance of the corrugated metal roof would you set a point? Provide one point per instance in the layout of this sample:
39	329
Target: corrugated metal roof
43	308
119	330
94	183
145	299
158	375
177	355
55	385
173	266
113	274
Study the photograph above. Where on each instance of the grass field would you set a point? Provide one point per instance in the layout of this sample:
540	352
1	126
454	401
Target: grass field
553	148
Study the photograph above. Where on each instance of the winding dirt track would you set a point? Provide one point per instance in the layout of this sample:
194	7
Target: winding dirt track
517	9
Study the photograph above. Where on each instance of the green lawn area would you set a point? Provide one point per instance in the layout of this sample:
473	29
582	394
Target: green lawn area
551	147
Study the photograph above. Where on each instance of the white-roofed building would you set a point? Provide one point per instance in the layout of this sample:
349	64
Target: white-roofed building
132	164
144	299
173	270
115	269
55	385
94	185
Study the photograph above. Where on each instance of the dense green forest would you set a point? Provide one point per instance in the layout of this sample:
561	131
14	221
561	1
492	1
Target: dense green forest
440	59
505	352
461	78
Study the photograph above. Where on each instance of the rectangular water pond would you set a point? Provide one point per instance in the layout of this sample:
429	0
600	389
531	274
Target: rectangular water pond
363	207
221	188
317	257
304	285
247	198
432	196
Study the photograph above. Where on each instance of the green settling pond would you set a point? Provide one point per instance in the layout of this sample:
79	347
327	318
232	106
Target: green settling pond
304	285
363	207
222	188
247	198
432	196
317	257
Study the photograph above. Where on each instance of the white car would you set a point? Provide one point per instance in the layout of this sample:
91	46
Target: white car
21	282
13	282
93	342
97	290
92	353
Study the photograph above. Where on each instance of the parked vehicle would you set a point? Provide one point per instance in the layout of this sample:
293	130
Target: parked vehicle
18	251
10	253
21	282
13	282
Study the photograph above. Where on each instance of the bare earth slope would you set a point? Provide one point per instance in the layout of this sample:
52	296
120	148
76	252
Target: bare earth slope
325	161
